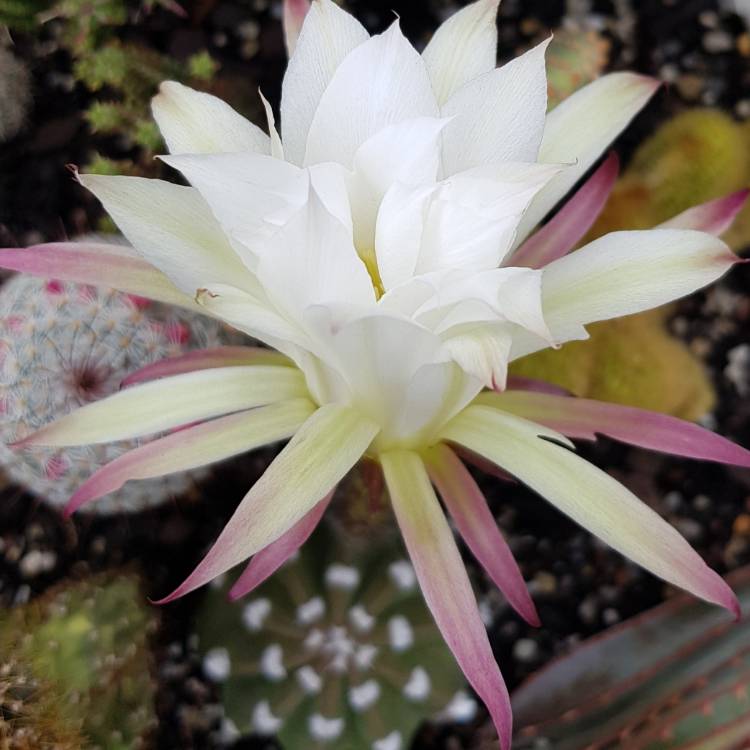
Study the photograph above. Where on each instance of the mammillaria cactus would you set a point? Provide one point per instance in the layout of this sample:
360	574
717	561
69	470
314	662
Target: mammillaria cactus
63	345
336	651
675	677
75	668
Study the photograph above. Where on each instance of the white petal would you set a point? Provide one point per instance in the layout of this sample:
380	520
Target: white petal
314	263
579	129
277	150
463	47
172	227
245	191
498	116
589	496
398	231
624	273
382	82
483	353
197	123
407	153
328	35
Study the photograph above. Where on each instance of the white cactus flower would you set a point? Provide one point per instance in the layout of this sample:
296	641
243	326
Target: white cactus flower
381	243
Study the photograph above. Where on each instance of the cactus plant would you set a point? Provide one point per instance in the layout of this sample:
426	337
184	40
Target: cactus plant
632	361
696	156
675	677
62	345
337	650
75	667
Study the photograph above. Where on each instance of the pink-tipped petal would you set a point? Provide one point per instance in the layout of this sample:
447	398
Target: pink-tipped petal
205	359
475	523
589	496
294	16
444	582
196	446
266	562
98	264
570	224
585	419
519	383
714	217
314	461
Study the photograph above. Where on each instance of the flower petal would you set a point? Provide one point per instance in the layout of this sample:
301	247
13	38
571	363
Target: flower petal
294	16
196	446
197	123
99	264
398	88
498	116
172	227
266	562
477	526
327	36
163	404
444	582
463	48
277	149
205	359
313	462
585	419
569	225
590	497
579	129
624	273
714	217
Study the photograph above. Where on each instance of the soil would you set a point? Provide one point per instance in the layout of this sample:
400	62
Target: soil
580	586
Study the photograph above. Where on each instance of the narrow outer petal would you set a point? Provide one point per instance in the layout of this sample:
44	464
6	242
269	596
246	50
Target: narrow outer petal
584	418
313	462
196	446
163	404
590	497
197	123
569	225
99	264
464	47
172	227
579	129
266	562
294	16
714	217
206	359
475	523
444	582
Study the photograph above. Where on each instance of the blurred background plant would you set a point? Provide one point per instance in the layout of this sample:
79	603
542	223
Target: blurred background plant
336	650
674	678
63	345
75	667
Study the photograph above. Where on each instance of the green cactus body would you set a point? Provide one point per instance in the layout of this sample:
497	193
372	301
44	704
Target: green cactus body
677	677
76	666
337	651
63	345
